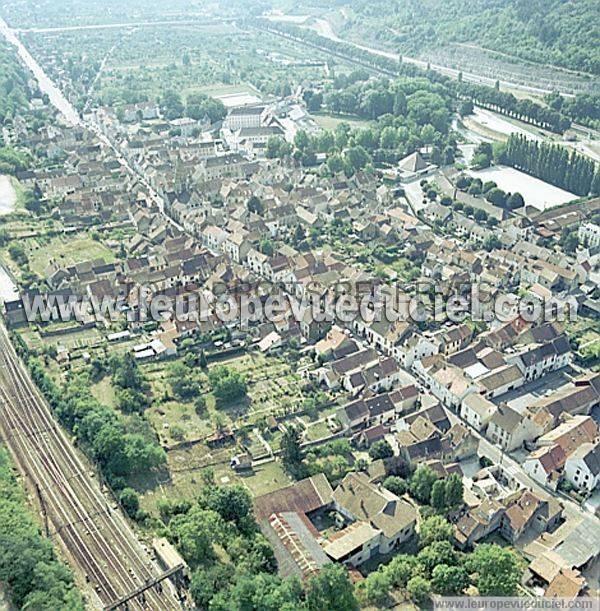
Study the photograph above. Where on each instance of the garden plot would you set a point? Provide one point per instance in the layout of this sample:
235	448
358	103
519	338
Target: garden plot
535	192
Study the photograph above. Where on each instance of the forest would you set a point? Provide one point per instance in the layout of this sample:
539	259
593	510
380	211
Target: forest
544	31
29	569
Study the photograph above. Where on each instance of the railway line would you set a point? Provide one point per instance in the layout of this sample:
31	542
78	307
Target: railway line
95	536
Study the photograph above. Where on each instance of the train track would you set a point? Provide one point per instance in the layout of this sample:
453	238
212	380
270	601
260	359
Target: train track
96	537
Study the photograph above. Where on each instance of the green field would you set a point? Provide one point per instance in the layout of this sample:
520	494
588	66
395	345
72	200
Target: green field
66	251
330	122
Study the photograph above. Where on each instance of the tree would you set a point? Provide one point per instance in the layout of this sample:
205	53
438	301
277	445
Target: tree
434	528
419	589
193	534
395	484
130	501
449	580
437	553
480	215
291	451
497	197
381	449
182	382
453	491
498	570
227	385
299	234
232	503
438	492
302	140
357	157
375	589
492	242
330	589
421	483
569	241
255	205
514	201
207	581
465	108
401	569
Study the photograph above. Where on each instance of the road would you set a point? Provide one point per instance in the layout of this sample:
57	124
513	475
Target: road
94	535
46	86
109	26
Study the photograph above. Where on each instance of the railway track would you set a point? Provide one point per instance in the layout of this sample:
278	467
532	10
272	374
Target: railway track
96	537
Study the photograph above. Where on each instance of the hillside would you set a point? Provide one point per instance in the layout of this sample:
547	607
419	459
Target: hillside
559	32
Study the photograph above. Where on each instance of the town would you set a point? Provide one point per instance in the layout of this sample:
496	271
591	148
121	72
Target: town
189	456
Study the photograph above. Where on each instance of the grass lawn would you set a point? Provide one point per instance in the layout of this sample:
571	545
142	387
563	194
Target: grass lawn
266	478
317	431
66	251
104	392
331	121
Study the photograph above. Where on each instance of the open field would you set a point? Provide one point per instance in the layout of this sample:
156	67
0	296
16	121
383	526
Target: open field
67	251
536	192
329	121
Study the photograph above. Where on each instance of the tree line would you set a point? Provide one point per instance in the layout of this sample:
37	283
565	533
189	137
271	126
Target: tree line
33	576
502	102
553	164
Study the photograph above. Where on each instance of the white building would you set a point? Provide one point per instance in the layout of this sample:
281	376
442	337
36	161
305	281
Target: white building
589	234
582	468
244	116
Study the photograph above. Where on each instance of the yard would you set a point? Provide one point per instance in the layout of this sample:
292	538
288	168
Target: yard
65	251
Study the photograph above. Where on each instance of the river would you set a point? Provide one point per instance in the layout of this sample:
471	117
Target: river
45	84
8	196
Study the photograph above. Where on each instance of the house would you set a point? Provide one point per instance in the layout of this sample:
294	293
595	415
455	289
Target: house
579	398
380	521
571	433
478	523
529	511
236	246
413	166
582	468
282	518
477	410
447	382
542	358
458	443
405	398
367	437
336	344
508	429
589	235
567	584
545	465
